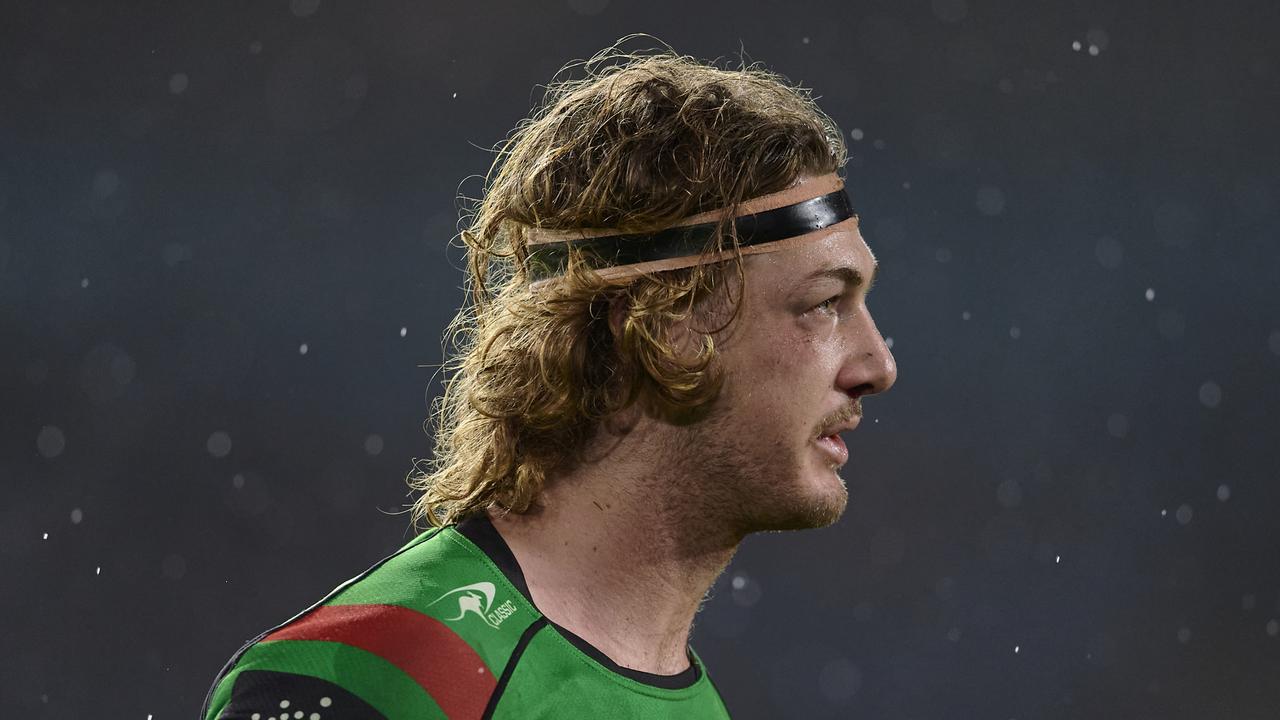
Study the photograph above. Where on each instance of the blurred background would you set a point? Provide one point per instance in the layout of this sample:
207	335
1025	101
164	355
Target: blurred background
225	266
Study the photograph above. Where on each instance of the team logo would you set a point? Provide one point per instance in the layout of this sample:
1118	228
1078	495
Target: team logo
477	599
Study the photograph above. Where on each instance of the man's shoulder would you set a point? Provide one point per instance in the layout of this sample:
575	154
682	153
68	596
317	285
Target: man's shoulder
414	635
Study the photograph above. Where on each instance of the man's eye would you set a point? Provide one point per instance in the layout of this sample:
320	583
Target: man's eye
828	304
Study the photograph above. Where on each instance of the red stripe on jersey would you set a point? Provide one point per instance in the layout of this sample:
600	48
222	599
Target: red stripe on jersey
423	647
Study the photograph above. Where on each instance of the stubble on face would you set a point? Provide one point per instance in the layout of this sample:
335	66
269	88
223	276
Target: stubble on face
749	463
743	474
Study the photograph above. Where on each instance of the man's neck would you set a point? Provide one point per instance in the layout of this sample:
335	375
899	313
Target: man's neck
611	554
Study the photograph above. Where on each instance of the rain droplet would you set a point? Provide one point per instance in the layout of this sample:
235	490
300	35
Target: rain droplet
84	282
1117	425
51	442
990	200
1015	332
1184	514
1017	648
1210	394
1150	294
1093	50
302	349
1184	635
303	8
1075	45
965	315
1110	254
105	372
76	516
105	184
252	495
856	133
1098	37
1009	493
218	444
178	83
373	444
175	253
98	571
1273	628
746	592
1224	493
404	331
946	588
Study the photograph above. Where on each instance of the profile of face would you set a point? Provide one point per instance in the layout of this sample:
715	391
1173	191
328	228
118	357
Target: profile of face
797	360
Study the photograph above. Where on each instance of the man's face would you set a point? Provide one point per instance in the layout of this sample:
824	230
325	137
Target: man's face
801	353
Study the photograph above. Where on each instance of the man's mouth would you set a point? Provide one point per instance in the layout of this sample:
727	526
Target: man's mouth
834	447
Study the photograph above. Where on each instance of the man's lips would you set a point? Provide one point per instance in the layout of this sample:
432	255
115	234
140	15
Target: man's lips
833	445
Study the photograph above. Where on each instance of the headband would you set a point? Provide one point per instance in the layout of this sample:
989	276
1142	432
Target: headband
763	224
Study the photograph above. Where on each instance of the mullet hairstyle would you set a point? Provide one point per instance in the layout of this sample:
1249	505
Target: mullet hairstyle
639	143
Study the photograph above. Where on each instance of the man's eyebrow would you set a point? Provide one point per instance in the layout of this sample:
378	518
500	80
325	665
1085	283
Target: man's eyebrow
850	276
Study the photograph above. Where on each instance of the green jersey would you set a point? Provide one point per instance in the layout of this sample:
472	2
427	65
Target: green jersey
443	628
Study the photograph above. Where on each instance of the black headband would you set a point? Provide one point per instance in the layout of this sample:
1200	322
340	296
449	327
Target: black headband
549	259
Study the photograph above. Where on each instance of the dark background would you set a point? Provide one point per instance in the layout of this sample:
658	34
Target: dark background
1065	508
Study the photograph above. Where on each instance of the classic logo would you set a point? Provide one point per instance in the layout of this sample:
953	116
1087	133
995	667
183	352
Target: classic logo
477	598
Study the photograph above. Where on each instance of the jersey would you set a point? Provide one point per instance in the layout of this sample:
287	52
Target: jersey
443	628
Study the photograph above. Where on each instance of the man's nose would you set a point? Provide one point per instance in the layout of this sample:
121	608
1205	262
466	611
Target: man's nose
870	368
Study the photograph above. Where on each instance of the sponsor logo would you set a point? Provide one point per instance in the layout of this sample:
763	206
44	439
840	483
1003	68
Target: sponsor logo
477	599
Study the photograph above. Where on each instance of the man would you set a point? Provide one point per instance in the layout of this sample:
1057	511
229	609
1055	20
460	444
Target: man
668	331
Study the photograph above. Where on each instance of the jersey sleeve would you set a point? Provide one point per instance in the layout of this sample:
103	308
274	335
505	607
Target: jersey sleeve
273	695
398	664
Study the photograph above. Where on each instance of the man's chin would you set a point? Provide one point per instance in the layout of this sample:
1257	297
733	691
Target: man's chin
824	512
821	508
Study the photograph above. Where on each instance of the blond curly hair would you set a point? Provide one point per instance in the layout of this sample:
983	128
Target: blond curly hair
642	141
